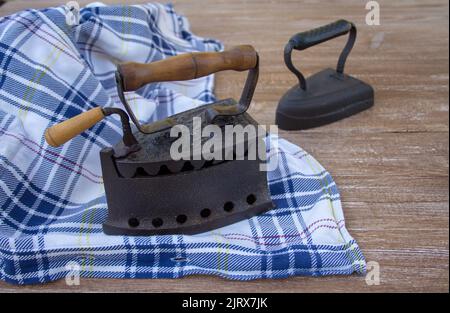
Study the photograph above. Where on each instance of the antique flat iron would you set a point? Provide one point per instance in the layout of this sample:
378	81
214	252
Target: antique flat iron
147	191
327	96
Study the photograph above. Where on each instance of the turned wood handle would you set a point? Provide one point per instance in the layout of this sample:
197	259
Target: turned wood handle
187	66
60	133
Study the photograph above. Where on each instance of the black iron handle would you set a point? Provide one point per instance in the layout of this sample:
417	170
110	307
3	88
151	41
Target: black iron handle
304	40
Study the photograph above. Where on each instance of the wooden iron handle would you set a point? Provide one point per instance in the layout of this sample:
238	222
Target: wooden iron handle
60	133
187	66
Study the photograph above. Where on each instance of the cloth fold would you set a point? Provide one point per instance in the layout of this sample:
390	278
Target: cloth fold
52	199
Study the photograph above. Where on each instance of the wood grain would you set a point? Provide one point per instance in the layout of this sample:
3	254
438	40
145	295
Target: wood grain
187	66
390	162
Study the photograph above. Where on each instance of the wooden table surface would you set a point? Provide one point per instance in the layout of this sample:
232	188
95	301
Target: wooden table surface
390	162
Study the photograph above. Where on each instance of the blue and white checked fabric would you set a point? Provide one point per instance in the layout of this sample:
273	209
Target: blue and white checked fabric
52	199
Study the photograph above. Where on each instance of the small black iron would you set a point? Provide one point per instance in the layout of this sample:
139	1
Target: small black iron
328	95
150	193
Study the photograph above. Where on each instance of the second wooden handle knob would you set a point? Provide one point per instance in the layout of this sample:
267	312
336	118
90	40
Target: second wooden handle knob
60	133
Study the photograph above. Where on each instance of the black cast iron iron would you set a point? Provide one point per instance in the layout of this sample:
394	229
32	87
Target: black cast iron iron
328	95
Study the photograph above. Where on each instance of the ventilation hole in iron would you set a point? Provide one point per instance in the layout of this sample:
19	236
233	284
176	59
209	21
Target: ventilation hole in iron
133	222
164	170
205	213
228	206
140	172
187	166
251	198
181	219
157	222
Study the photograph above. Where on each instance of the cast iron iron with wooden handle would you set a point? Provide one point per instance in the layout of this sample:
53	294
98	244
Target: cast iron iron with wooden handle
148	191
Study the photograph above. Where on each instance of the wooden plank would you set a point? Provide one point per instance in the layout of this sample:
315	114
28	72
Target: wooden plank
378	154
390	162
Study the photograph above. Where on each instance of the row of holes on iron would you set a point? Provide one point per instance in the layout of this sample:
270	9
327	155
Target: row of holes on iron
164	170
187	166
182	218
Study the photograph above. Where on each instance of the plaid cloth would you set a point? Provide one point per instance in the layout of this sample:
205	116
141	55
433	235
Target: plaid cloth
52	199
